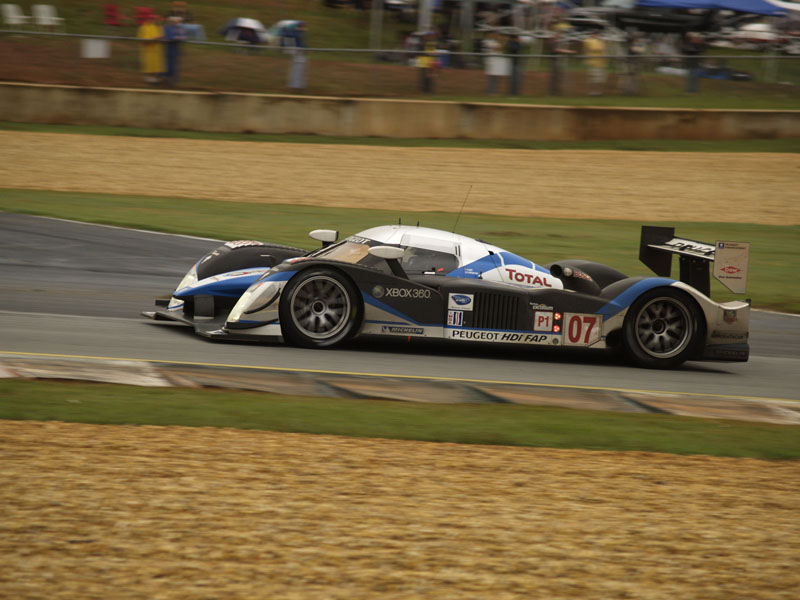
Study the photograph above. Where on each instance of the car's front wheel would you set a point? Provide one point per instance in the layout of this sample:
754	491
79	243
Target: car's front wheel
662	329
319	309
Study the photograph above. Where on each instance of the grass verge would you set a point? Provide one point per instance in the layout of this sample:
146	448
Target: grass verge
508	425
789	145
772	283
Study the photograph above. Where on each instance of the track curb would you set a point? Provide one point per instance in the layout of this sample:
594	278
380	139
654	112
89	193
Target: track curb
387	387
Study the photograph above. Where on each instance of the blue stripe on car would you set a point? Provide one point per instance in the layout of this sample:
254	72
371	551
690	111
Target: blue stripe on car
626	298
385	307
232	287
490	262
513	259
281	276
475	268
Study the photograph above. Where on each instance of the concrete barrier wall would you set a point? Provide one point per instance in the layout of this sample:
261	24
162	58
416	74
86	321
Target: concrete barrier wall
258	113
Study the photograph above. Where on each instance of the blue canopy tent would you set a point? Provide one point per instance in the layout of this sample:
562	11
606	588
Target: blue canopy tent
756	7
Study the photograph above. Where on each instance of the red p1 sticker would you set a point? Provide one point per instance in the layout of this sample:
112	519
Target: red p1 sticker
542	321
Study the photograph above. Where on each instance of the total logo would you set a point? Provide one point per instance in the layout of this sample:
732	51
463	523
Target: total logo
529	278
460	301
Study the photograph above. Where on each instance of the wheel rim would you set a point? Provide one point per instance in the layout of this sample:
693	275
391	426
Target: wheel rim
663	327
320	307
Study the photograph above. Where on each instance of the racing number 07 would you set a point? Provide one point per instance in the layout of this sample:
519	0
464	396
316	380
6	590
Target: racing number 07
581	329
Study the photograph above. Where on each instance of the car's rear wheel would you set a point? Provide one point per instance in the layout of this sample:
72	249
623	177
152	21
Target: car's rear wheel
319	309
662	329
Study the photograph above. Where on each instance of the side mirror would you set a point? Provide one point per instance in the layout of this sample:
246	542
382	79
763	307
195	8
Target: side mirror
392	255
326	236
387	252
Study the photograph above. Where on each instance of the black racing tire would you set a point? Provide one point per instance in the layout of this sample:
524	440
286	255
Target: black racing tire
319	308
662	329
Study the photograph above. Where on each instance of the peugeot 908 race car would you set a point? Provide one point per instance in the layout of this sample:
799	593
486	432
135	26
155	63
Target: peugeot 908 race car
405	281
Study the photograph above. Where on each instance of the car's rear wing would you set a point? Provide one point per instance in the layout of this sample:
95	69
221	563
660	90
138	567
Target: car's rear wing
658	244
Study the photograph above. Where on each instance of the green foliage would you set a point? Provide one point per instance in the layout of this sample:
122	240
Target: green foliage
509	425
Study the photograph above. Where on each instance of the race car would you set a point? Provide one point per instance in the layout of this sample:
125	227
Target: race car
410	281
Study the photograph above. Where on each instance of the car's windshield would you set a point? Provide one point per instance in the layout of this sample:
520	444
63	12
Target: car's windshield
428	254
348	251
417	259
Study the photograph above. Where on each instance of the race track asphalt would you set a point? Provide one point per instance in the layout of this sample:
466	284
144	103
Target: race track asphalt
75	289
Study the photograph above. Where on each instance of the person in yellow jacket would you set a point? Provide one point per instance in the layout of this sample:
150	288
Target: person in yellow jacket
426	62
151	51
595	51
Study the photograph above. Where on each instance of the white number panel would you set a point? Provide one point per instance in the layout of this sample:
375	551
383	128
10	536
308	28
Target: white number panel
581	330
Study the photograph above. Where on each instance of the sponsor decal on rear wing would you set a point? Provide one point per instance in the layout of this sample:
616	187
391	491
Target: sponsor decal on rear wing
658	244
730	265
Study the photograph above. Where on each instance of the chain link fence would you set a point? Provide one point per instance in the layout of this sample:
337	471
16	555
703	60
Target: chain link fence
59	58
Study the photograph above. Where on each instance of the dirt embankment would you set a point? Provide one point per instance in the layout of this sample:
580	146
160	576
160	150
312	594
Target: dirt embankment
643	186
148	512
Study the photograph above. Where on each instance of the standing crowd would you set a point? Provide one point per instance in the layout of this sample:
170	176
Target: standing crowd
160	50
161	38
503	54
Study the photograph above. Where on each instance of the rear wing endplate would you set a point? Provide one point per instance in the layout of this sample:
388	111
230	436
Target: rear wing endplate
658	244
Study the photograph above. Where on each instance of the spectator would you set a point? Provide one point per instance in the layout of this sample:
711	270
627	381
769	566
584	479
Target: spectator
294	40
596	62
665	50
693	46
496	65
426	62
556	47
174	35
151	54
194	31
411	45
634	48
514	48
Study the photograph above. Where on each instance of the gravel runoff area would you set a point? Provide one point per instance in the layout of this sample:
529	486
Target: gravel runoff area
147	512
167	512
650	186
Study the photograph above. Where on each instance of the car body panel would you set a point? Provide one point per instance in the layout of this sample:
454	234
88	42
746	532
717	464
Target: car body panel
455	288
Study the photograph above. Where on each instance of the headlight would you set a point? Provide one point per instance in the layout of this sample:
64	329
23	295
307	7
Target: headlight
266	274
189	279
258	297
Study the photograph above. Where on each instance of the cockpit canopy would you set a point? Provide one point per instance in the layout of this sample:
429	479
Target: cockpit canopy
435	252
420	254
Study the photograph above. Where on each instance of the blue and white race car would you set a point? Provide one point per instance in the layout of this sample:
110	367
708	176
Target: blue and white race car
406	281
